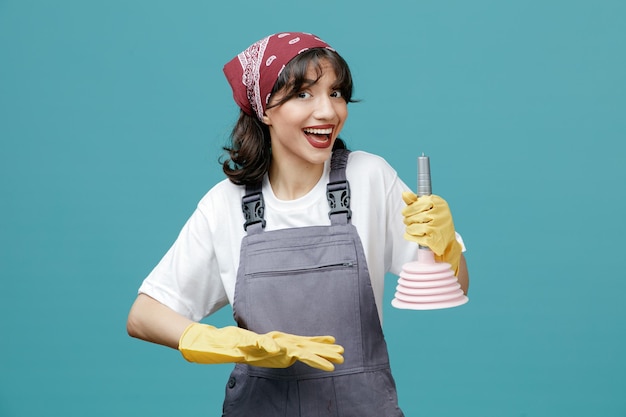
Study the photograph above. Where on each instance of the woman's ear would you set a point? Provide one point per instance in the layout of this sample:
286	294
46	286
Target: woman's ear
266	120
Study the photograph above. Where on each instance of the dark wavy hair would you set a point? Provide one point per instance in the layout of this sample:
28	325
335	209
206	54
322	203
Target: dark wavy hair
249	155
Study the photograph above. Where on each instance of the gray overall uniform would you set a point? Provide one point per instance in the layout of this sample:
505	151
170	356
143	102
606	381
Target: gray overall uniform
310	281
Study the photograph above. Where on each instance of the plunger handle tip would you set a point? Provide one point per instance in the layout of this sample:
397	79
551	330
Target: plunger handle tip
424	186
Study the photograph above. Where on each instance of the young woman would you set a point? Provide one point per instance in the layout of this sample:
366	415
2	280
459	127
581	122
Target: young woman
298	240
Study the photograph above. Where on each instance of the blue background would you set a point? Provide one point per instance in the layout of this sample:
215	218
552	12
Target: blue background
112	116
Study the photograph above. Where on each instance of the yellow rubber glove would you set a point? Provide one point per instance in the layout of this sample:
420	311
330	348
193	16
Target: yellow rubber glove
429	223
317	351
202	343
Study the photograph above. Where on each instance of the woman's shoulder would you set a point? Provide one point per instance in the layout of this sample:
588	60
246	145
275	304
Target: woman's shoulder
367	158
223	195
366	165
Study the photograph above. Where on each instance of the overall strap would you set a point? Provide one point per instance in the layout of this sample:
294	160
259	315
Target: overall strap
338	188
253	208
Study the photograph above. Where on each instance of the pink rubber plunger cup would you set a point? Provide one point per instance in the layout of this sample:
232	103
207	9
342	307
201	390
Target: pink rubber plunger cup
426	284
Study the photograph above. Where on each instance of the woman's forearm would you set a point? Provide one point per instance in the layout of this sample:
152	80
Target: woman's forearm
154	322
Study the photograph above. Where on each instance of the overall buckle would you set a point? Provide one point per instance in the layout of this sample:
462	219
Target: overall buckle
338	195
253	208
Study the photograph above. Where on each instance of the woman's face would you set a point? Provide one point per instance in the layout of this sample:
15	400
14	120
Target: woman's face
304	128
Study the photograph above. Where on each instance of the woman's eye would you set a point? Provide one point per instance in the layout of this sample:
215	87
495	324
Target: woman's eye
304	94
336	94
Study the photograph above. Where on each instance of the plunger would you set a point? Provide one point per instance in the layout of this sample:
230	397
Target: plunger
426	284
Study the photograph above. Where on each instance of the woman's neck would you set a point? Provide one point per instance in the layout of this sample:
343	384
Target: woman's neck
290	182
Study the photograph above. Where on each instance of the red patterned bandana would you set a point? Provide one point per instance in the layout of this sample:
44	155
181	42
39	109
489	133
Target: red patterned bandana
253	73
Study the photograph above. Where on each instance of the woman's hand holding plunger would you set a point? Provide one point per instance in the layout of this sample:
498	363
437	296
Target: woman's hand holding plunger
429	223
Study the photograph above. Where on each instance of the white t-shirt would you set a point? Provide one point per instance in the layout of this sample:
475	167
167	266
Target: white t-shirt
197	275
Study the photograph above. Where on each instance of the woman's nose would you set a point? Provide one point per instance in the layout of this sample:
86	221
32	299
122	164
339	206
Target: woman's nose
324	108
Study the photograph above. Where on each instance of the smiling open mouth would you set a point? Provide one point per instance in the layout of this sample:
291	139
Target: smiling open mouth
319	137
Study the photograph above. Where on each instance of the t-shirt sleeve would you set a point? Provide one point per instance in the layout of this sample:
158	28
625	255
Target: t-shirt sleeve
398	250
187	278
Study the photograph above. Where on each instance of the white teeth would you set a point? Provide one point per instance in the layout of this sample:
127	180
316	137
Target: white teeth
319	131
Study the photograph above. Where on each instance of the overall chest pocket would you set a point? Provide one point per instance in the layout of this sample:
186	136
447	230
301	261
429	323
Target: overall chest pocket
285	256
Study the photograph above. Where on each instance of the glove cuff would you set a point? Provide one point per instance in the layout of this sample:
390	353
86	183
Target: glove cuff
452	255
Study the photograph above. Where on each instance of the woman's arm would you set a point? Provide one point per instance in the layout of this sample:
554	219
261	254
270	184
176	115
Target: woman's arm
154	322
